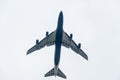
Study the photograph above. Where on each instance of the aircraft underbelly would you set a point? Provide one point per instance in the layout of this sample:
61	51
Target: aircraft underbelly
58	43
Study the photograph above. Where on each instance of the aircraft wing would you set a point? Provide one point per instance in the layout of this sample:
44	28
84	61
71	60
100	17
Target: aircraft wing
48	40
69	43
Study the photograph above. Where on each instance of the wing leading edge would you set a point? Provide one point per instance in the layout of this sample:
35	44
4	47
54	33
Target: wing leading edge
48	40
69	43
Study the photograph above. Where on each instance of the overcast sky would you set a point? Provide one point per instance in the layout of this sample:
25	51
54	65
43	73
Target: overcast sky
94	23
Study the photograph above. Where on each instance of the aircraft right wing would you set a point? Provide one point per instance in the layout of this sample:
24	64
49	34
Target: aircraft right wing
69	43
48	40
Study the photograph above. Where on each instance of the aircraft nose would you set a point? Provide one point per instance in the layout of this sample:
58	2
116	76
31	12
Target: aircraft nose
61	13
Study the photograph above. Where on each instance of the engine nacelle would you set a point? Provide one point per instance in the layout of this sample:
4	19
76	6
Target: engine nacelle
37	41
71	35
47	33
79	45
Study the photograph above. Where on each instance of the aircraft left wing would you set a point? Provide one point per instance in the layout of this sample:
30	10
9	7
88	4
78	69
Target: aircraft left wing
69	43
48	40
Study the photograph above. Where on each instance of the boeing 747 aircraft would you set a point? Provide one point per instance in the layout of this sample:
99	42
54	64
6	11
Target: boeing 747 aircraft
58	37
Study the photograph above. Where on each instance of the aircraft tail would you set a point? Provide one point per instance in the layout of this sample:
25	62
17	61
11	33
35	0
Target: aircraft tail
59	73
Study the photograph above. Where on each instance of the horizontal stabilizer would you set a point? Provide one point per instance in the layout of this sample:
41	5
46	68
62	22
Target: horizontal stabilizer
50	73
59	73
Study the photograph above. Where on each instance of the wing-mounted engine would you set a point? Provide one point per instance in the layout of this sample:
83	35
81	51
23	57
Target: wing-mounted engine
47	33
37	42
50	38
79	45
71	35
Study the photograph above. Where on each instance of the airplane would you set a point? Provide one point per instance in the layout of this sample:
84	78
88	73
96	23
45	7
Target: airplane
58	38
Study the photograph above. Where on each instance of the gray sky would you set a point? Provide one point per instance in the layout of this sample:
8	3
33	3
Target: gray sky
94	23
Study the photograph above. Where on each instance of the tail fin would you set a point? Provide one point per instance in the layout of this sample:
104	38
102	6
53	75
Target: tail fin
59	73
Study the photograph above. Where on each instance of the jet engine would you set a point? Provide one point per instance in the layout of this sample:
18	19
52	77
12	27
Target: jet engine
71	35
37	41
79	45
47	33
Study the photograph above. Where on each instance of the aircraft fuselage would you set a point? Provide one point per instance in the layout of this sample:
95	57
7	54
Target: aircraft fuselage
58	42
